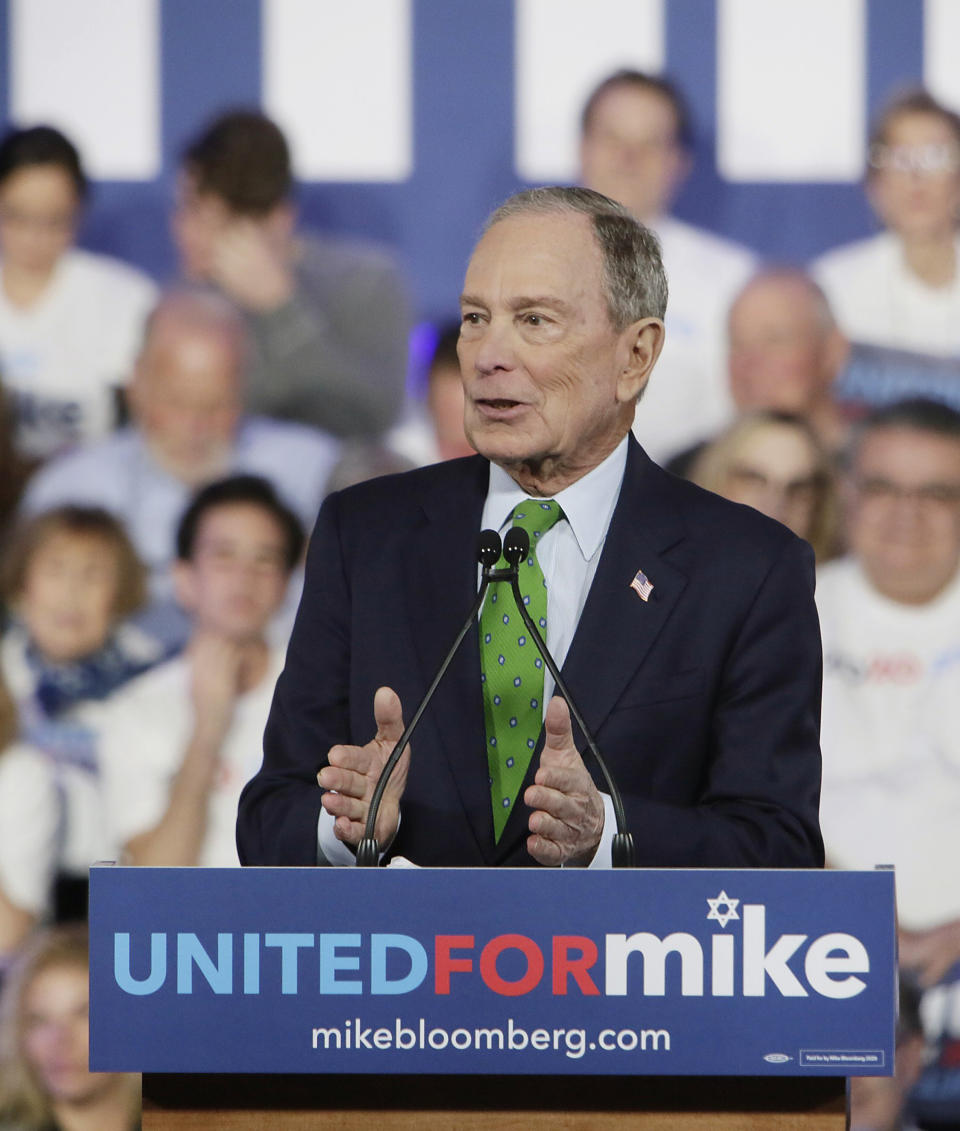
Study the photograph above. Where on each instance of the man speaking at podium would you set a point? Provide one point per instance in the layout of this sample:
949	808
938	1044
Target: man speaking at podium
684	625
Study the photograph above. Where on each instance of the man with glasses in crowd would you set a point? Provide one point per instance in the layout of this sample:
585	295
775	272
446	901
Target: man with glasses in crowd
890	615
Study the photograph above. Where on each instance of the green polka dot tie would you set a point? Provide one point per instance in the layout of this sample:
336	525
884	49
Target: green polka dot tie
512	669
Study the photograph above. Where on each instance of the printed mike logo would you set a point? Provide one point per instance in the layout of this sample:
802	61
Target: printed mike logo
740	958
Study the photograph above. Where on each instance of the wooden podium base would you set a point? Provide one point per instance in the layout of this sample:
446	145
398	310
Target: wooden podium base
507	1103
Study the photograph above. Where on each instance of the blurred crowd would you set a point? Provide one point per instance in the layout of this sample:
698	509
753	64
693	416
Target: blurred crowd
163	455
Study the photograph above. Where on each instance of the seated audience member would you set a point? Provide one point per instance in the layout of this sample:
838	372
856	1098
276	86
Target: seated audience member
785	351
328	317
773	462
70	579
786	354
890	615
45	1082
187	430
70	321
901	287
636	148
179	744
438	433
28	834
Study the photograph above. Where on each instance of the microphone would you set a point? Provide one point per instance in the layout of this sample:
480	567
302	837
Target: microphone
516	546
488	554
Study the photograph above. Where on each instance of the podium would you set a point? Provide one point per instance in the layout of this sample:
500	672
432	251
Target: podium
289	998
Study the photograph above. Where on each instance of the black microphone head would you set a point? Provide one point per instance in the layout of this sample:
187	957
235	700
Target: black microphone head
488	548
516	545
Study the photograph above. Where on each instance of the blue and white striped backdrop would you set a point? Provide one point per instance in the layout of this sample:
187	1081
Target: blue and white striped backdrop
411	118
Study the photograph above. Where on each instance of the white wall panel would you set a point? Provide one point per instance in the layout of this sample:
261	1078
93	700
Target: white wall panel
791	89
338	78
91	68
563	49
941	50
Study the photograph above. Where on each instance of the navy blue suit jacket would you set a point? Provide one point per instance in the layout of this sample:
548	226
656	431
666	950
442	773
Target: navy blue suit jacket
705	699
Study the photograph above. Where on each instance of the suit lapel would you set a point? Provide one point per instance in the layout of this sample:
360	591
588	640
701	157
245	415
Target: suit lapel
618	628
440	574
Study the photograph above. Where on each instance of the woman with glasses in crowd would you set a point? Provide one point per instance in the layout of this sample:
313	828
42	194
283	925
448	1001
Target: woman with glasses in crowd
901	287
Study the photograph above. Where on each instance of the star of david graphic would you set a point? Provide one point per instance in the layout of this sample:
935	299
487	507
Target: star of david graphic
723	917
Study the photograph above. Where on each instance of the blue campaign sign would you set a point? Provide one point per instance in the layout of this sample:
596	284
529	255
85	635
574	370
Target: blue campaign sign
661	972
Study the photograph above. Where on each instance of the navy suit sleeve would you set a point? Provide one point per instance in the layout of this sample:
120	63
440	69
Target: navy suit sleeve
280	806
758	801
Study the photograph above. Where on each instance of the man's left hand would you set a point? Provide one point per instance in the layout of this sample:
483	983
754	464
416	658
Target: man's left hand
567	819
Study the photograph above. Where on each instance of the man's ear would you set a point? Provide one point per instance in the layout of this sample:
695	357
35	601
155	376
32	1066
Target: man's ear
184	587
642	342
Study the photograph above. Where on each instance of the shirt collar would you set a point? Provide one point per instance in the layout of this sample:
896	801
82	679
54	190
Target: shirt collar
587	504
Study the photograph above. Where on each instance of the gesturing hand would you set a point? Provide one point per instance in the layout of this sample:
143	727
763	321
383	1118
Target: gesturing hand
352	773
567	819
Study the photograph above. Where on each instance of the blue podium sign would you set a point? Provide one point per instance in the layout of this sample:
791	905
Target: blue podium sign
659	972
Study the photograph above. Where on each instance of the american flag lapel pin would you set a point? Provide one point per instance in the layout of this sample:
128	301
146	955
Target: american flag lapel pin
642	586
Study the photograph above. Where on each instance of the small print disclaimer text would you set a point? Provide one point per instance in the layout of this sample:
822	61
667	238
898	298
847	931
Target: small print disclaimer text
573	1043
841	1058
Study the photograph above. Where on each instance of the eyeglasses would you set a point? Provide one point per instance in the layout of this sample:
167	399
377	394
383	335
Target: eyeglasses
928	160
804	488
929	496
57	224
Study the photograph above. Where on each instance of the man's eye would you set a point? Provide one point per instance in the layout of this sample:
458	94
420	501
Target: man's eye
533	319
471	318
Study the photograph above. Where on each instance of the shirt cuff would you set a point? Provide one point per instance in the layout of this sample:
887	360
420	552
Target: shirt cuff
332	851
603	857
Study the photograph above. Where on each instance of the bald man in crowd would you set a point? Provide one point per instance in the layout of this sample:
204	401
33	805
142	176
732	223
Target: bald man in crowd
787	354
187	429
785	351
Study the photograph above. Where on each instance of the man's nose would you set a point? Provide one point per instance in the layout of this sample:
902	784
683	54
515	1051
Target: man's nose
496	349
198	424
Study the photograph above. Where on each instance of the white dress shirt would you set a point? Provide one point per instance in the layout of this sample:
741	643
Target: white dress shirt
568	554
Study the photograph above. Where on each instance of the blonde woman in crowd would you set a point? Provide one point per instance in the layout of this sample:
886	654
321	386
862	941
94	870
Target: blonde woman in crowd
45	1082
773	462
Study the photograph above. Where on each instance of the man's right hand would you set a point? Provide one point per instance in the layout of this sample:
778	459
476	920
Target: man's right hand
351	777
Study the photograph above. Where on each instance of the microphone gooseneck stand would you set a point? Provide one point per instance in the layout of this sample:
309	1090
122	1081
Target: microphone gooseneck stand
488	554
516	546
